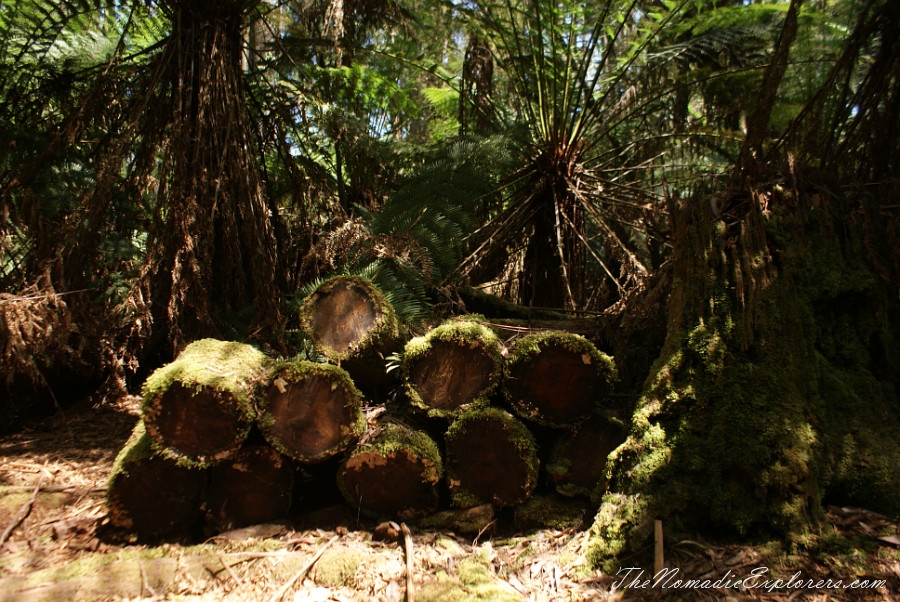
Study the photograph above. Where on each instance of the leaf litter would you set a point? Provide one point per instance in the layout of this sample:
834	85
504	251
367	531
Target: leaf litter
54	475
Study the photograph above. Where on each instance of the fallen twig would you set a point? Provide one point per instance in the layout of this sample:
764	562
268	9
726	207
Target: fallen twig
237	579
23	511
408	552
145	583
302	572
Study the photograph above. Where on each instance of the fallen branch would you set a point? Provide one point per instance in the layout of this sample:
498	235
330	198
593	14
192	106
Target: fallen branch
302	572
23	511
408	552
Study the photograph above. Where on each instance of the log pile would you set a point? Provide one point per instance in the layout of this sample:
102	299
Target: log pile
230	437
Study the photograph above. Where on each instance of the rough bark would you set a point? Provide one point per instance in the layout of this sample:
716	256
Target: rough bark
311	412
393	472
200	407
455	367
556	378
149	494
491	458
255	486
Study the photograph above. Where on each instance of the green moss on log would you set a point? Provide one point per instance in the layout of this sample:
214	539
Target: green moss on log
557	378
394	472
200	408
310	411
769	396
455	367
149	494
491	458
346	316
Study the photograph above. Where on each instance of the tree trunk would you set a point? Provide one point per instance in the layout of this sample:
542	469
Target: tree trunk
491	458
556	378
151	495
455	367
255	486
393	472
578	460
311	412
200	408
352	324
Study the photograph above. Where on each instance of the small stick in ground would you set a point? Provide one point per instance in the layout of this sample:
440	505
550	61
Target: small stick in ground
237	579
145	583
408	552
302	572
23	511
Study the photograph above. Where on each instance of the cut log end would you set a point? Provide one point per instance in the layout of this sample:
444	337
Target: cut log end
557	379
491	458
347	315
200	425
254	487
453	369
578	463
151	495
394	474
311	411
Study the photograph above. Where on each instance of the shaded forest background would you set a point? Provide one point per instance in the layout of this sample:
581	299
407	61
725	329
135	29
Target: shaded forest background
708	187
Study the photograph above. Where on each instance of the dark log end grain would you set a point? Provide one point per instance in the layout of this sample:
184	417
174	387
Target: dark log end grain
491	458
450	376
397	484
256	486
578	462
199	424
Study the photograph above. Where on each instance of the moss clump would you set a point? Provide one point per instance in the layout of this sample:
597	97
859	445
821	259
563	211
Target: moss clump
379	333
466	335
550	512
336	568
474	580
223	371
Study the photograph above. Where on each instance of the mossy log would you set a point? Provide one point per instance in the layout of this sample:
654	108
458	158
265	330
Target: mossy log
491	458
256	486
393	472
352	324
557	378
311	412
453	368
199	408
578	461
152	495
550	512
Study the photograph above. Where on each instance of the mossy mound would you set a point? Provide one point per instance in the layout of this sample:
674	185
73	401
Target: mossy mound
200	407
455	367
768	395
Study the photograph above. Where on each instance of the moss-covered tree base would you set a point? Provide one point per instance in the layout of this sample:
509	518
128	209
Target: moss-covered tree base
770	393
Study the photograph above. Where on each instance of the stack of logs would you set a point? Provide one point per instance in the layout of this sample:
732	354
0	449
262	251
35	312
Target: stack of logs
225	429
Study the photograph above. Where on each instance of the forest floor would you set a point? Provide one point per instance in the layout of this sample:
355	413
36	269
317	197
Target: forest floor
56	544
